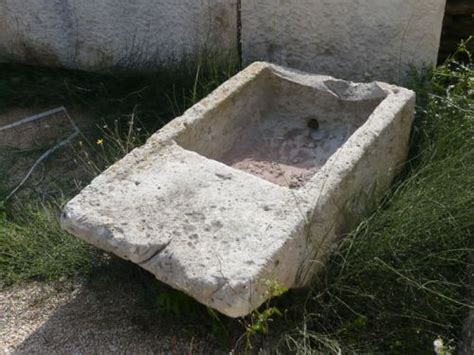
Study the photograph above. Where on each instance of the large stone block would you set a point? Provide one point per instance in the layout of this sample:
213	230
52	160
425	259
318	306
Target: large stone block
94	35
254	183
355	40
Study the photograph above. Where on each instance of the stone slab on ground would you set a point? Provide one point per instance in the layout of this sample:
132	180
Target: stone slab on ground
355	40
212	210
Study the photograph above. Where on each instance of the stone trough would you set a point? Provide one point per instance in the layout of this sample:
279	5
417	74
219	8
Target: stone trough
256	182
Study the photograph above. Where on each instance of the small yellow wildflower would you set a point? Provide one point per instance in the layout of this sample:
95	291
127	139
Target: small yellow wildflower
100	141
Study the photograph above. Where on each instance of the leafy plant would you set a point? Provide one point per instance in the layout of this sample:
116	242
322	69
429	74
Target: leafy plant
259	320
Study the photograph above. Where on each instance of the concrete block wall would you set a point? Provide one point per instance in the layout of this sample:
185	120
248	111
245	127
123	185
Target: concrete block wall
351	39
93	35
359	40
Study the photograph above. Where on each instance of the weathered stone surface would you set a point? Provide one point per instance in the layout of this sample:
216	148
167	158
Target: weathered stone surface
201	206
355	40
94	35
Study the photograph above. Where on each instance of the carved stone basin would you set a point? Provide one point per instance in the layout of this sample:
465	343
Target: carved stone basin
255	182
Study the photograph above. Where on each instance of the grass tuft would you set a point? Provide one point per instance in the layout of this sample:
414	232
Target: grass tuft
33	246
399	280
127	109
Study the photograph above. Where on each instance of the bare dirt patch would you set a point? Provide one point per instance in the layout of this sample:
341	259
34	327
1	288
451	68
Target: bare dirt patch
287	150
21	146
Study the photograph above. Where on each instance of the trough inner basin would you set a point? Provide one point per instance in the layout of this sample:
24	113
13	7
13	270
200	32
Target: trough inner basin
282	131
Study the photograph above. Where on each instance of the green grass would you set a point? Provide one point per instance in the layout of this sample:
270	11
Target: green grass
396	283
153	97
32	246
127	109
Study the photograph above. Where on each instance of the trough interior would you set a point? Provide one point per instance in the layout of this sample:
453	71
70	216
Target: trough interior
279	130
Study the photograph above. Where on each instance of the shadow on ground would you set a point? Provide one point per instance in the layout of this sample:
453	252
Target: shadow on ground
120	308
115	312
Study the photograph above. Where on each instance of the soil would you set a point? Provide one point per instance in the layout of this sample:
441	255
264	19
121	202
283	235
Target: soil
44	131
287	151
21	146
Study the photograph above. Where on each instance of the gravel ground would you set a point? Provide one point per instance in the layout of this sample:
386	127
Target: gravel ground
100	317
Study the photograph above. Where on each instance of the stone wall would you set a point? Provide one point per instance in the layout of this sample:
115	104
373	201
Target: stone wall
352	39
458	24
92	35
349	39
